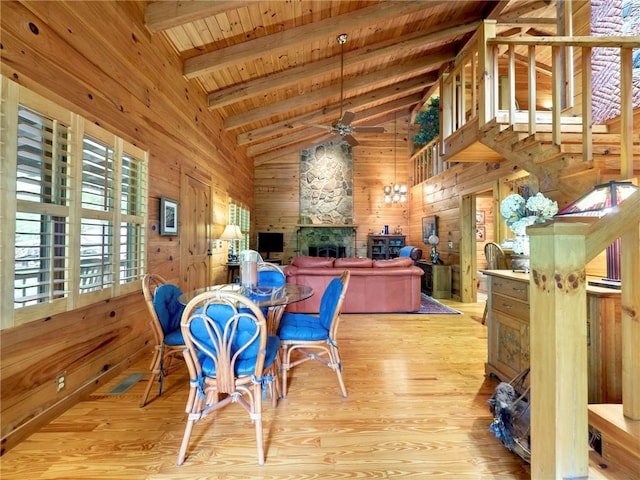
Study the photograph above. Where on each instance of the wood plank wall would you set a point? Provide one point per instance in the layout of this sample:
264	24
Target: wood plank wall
98	60
277	190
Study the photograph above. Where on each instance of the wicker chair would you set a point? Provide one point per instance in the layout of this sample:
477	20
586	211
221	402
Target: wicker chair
229	352
496	260
165	310
308	334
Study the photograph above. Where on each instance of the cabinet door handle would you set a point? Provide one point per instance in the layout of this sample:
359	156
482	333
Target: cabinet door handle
519	290
507	306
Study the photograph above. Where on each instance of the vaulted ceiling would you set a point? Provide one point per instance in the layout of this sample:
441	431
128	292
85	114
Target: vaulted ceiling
272	69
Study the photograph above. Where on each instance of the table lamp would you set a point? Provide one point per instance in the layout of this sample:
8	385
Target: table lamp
232	233
433	241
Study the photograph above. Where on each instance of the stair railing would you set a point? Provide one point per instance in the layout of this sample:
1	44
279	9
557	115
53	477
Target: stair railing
472	88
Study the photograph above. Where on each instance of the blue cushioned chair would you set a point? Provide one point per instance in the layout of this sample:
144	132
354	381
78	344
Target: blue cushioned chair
228	351
270	275
414	253
165	309
308	334
270	279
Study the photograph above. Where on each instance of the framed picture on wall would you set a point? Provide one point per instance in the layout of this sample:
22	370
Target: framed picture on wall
168	216
429	227
481	233
480	217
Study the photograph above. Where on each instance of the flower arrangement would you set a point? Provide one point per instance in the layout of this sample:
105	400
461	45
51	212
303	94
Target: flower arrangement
520	213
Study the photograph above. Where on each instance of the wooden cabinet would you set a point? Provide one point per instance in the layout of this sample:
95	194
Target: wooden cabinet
508	334
436	281
383	247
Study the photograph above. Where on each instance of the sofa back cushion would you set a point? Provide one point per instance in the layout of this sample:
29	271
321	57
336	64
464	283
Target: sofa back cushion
313	262
397	262
352	263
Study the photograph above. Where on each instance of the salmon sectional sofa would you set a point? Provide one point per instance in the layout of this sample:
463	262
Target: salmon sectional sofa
375	286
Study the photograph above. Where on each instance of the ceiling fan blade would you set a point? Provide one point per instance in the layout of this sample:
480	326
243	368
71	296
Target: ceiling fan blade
347	118
351	140
368	129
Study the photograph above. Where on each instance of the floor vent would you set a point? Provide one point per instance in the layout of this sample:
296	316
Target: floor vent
126	384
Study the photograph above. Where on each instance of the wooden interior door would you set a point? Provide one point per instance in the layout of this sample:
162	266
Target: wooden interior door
195	237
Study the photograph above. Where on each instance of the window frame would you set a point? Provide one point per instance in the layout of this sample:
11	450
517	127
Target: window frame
128	215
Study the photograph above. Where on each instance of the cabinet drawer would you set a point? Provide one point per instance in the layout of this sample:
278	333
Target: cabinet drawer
511	306
511	288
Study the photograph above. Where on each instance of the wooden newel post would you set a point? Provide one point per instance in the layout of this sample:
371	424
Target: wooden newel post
558	350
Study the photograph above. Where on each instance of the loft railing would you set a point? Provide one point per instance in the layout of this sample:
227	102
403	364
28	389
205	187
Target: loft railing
483	79
481	86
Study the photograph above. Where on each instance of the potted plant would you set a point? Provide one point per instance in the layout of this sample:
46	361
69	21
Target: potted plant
429	121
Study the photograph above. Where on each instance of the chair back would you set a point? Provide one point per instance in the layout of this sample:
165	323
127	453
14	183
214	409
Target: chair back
163	305
331	302
226	336
270	275
496	259
414	253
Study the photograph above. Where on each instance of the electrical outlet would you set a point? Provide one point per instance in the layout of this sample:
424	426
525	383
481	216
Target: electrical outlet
450	245
60	380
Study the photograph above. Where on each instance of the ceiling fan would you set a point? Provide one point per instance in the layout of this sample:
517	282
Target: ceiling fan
343	125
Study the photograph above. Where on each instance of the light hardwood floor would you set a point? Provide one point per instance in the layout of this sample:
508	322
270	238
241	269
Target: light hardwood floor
417	408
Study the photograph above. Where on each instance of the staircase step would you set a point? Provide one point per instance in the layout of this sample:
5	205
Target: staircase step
619	444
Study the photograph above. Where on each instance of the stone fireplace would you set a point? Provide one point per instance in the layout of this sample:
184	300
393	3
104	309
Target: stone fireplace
326	201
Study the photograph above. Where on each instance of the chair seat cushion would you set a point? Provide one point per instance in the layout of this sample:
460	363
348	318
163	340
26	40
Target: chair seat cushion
244	366
174	338
301	326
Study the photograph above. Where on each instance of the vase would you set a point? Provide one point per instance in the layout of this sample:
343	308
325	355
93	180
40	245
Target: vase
520	263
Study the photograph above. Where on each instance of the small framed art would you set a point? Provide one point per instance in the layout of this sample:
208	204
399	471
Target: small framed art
168	216
429	227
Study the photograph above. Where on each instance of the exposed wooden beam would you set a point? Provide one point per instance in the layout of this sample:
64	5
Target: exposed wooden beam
355	104
272	44
517	14
395	47
311	132
164	15
540	67
319	97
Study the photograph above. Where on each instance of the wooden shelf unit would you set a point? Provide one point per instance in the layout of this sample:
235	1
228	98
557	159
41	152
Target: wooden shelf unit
384	247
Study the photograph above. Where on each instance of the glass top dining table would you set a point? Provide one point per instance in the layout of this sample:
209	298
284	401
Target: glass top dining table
261	296
275	299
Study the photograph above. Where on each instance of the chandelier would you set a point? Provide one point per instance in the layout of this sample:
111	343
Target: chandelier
395	193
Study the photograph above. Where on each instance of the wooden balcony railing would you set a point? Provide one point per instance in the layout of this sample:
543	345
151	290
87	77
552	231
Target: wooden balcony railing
481	86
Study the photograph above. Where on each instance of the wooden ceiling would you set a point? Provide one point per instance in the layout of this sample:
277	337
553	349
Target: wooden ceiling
271	69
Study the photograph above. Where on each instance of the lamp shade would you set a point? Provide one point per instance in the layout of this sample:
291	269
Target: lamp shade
231	232
599	201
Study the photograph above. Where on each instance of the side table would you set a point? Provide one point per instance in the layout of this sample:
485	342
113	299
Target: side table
436	281
233	271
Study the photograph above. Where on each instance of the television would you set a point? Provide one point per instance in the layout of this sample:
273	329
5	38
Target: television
270	242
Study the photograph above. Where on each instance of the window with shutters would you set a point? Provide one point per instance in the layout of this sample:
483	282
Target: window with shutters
73	210
239	215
